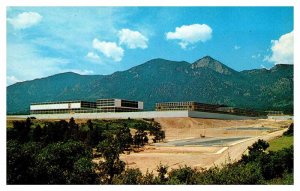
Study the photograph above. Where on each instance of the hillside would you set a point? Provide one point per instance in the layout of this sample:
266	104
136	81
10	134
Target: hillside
158	80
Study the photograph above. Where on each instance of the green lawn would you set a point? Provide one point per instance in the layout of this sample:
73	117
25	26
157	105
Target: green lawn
280	143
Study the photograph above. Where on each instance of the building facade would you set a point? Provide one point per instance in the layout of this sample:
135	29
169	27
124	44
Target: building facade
61	107
188	105
119	105
204	107
101	105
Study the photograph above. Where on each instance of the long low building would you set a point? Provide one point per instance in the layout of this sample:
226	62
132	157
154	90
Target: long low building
61	107
79	106
204	107
186	105
122	109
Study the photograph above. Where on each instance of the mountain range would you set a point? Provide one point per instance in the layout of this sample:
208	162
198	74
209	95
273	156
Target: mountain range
206	80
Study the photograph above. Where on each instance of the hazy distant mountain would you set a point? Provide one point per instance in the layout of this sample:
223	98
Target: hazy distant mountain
158	80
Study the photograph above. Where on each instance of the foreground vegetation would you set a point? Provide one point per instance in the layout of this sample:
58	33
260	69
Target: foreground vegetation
280	143
62	153
284	141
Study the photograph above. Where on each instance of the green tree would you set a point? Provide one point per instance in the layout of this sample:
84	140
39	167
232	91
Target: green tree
124	137
162	172
37	133
94	136
290	131
21	162
90	125
83	172
22	129
130	176
74	129
276	164
57	162
140	138
56	131
183	175
148	178
111	165
255	151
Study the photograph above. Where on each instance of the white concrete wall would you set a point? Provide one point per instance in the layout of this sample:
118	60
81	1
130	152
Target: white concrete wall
117	103
137	115
281	117
120	115
206	115
56	106
141	105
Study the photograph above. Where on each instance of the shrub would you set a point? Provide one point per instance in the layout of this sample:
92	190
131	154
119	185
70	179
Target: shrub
290	131
183	175
130	176
56	163
21	162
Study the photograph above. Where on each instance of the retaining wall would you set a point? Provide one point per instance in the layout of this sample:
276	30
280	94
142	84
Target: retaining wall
138	115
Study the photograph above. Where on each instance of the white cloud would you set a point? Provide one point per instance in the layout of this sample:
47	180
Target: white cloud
282	50
236	47
132	39
32	64
190	34
25	20
11	80
93	56
109	49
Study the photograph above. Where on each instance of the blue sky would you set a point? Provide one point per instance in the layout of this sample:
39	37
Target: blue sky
43	41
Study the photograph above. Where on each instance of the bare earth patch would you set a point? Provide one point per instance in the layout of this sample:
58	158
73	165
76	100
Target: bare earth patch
202	156
180	128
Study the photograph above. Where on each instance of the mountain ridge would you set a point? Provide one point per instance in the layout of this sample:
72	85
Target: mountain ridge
155	59
158	80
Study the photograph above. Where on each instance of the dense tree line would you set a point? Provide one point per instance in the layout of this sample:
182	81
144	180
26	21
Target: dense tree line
57	163
61	152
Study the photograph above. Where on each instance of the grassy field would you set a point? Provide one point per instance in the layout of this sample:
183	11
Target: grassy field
280	143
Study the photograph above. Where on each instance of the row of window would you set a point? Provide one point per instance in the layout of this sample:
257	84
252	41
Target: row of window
125	103
175	103
58	111
194	106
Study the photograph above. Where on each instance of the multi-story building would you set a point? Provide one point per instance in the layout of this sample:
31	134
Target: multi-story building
187	105
61	107
102	105
119	105
203	107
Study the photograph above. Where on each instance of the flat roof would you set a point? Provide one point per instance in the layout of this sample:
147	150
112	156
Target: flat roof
76	101
117	98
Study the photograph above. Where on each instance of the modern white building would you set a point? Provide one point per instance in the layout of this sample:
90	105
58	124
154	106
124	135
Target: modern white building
61	107
119	105
123	109
79	106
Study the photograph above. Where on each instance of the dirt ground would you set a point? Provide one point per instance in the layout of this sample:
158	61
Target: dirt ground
173	157
200	156
180	128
